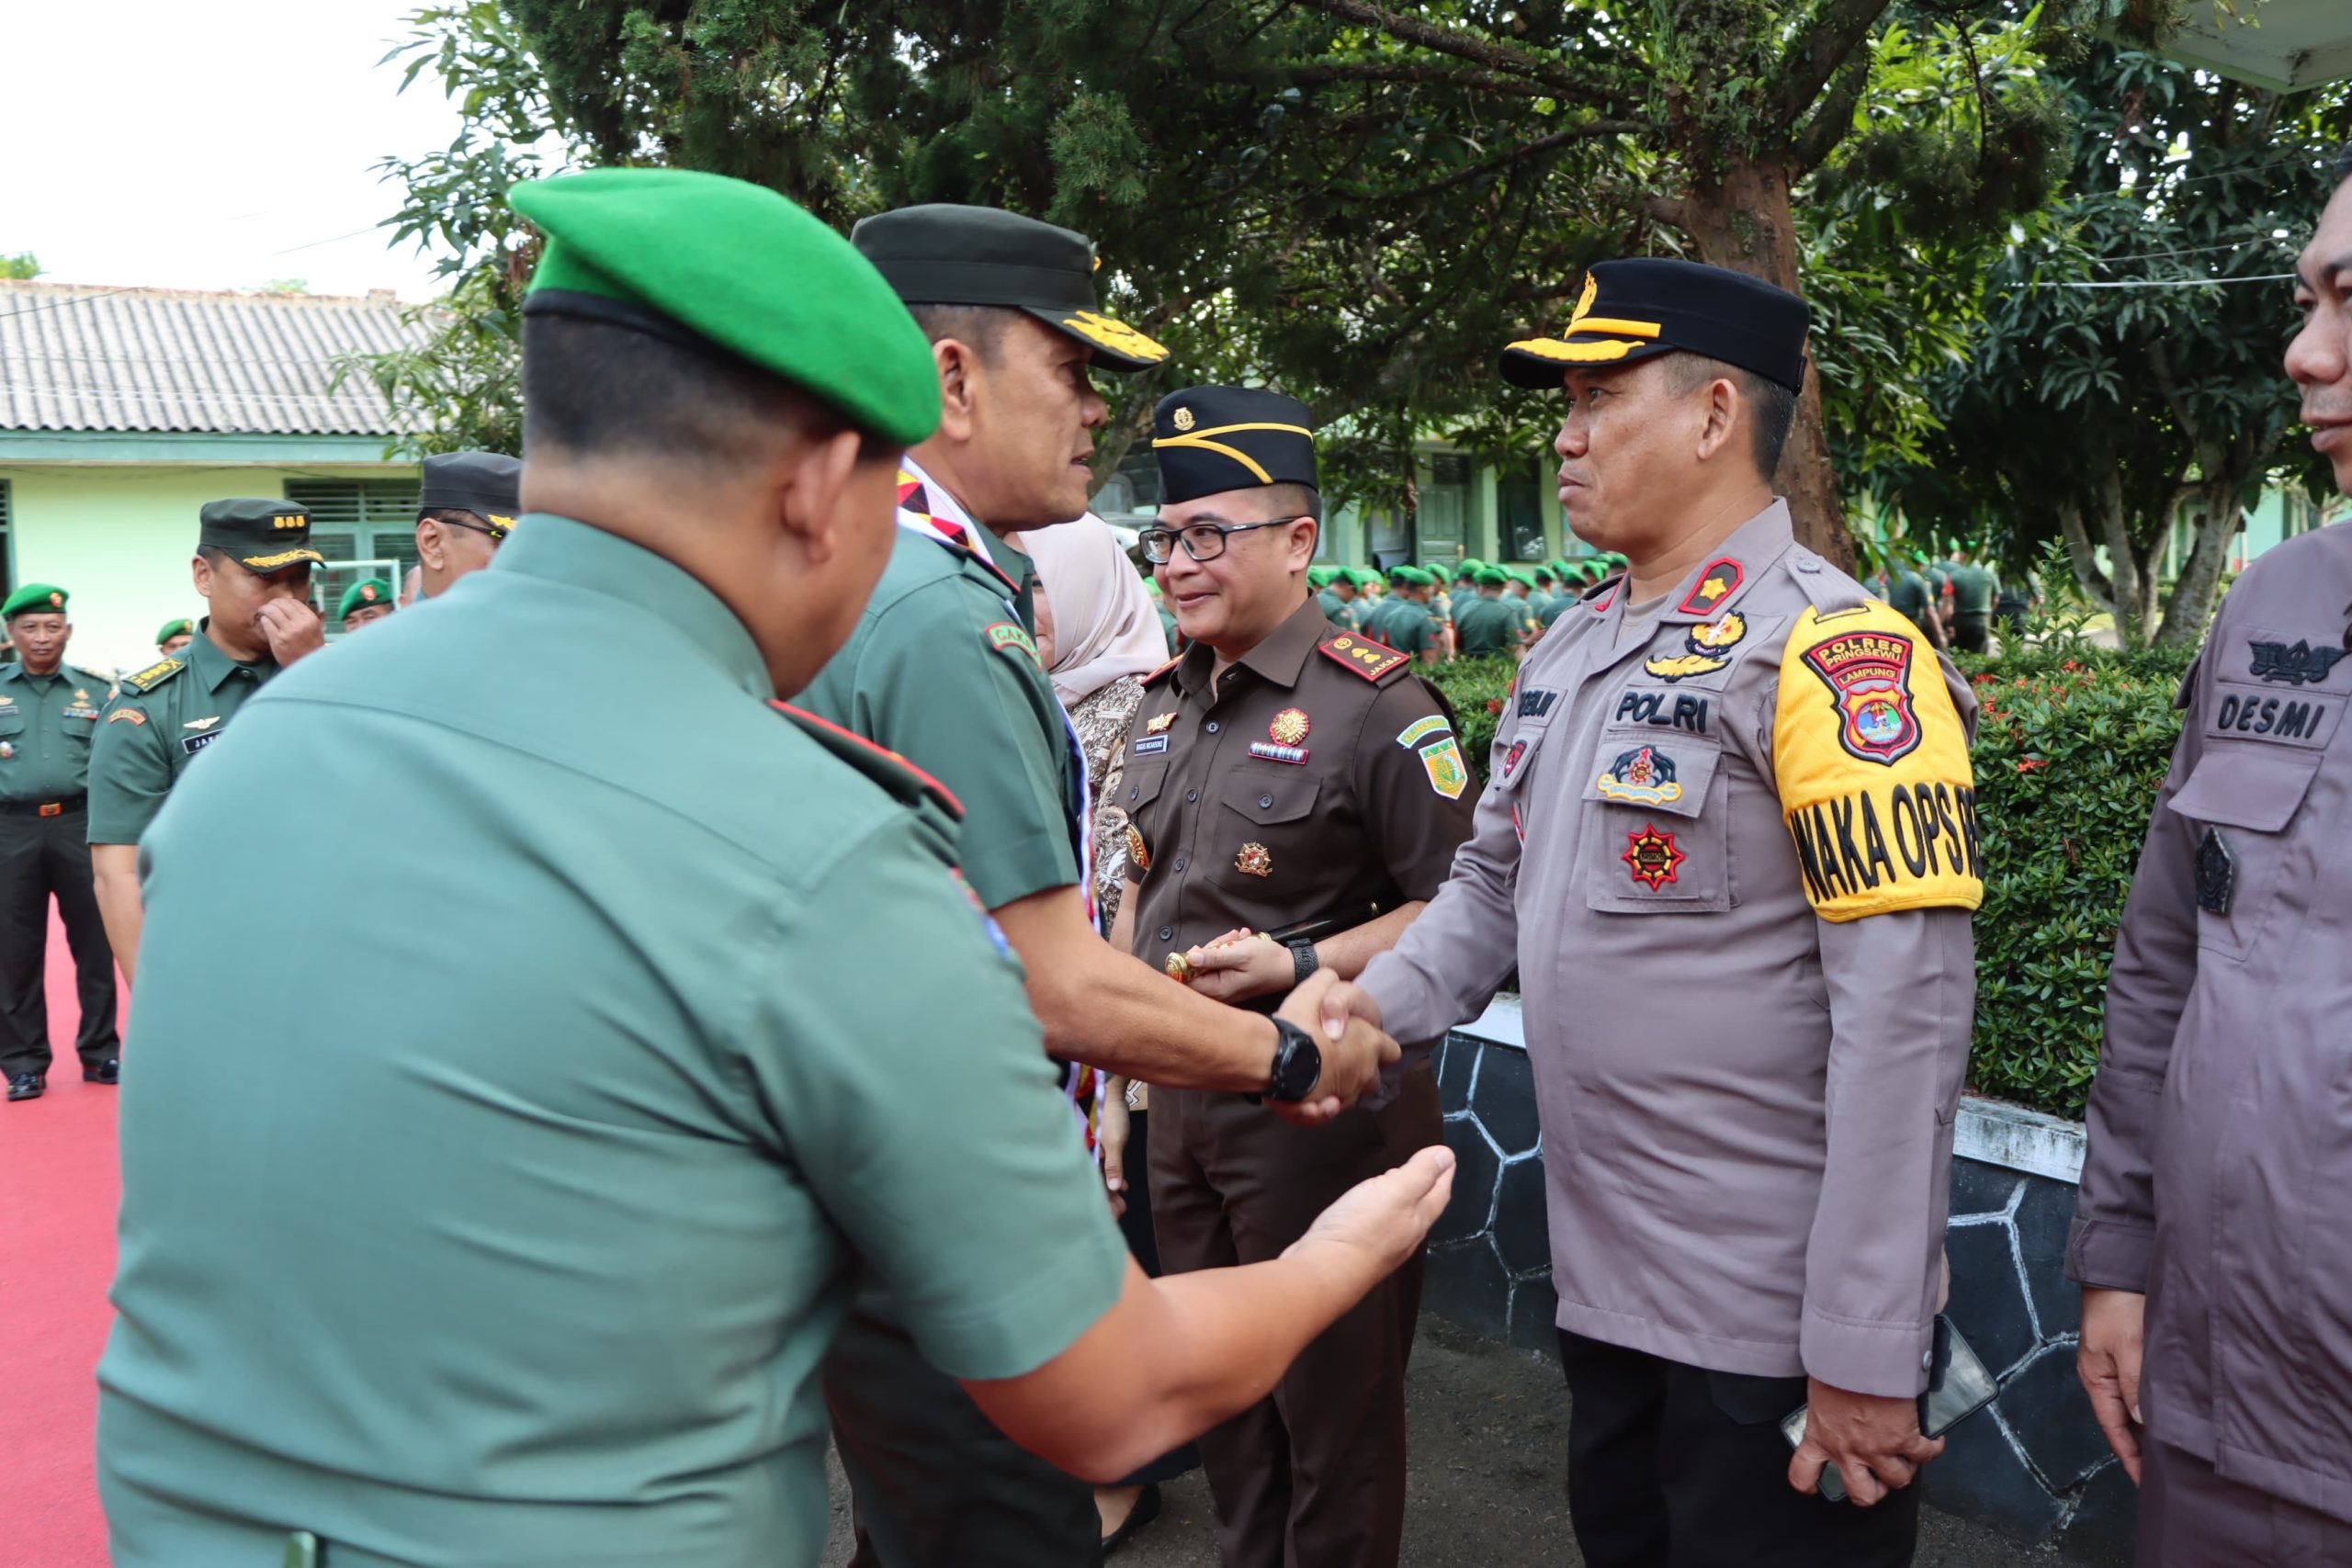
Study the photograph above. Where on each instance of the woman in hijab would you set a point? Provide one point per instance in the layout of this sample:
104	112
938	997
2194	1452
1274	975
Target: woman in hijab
1099	635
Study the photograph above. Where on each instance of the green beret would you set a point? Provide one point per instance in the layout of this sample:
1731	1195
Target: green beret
724	264
361	596
1519	574
1421	577
181	628
34	596
1318	577
1471	564
1491	577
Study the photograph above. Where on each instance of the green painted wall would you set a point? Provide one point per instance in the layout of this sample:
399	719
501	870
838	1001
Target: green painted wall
119	538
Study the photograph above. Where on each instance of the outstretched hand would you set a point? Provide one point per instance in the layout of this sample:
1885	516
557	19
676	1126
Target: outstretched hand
1377	1225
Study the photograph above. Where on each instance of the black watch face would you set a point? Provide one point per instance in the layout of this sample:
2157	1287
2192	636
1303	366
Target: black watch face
1298	1065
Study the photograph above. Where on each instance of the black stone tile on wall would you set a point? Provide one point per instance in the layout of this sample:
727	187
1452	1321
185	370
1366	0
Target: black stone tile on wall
2044	1219
1471	1209
2104	1531
1980	1476
1535	1314
1454	1072
1521	1232
1987	1297
1505	1100
1980	1189
2046	1408
1466	1285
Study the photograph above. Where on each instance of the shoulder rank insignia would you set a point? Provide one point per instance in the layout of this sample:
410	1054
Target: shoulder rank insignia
1161	673
880	763
155	674
1370	659
1718	581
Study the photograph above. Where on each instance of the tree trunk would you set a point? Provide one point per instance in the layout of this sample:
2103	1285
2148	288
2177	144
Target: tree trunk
1741	220
2192	596
2084	557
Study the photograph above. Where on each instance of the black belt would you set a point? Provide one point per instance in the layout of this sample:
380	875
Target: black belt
57	808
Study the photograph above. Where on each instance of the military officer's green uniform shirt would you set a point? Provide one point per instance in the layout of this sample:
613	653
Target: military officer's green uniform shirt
1487	626
577	1218
943	670
47	722
1973	590
1340	611
163	717
1411	628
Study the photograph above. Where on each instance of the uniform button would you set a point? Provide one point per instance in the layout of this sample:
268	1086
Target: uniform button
1133	790
1168	933
1180	863
1211	726
1264	801
1191	796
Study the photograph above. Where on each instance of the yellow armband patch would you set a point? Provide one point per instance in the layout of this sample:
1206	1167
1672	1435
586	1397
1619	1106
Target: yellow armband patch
1872	767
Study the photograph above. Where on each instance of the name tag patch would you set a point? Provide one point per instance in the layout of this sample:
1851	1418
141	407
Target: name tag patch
192	744
2305	719
1150	745
1534	703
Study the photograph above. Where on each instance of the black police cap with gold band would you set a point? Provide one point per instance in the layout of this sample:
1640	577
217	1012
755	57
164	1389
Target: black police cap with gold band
1630	310
258	534
488	484
1210	439
942	253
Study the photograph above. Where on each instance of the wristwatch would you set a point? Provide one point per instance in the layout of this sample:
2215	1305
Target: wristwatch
1303	960
1298	1064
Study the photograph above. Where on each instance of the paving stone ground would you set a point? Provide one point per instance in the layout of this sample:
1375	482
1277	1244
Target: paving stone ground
1488	1432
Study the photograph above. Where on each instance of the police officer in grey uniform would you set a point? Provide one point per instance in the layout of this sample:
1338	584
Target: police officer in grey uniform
2210	1240
1729	842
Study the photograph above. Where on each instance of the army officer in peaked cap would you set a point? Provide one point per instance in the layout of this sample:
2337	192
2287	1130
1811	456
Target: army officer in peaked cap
533	1266
1729	800
943	669
49	716
466	505
1288	776
253	567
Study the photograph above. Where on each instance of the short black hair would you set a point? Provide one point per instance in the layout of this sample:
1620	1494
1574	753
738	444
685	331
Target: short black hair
212	555
980	328
594	385
458	516
1295	500
1772	407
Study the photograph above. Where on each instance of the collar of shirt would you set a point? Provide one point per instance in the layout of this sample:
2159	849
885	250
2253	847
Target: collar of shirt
926	508
212	666
1278	656
561	550
1752	546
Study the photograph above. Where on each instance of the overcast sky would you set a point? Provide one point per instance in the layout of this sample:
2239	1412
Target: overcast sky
210	145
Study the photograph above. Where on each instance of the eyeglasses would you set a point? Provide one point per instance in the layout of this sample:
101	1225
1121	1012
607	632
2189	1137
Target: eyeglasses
1202	541
497	536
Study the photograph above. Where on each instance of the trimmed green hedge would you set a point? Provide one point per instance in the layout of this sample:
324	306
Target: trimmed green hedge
2073	744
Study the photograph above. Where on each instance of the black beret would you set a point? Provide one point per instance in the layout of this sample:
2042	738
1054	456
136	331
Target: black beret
1634	310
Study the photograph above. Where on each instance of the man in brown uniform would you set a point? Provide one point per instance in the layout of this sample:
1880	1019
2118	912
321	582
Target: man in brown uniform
1283	773
2211	1233
1730	842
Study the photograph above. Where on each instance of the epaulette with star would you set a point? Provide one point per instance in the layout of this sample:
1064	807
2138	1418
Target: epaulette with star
1161	673
1376	662
154	675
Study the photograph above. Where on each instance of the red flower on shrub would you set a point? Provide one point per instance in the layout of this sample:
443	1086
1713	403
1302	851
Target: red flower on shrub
2028	764
1494	704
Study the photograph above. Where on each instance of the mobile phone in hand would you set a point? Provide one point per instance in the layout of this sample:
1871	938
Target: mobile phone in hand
1958	1385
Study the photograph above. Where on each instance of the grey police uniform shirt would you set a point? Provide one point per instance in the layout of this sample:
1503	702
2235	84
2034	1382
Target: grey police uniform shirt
2220	1121
1733	860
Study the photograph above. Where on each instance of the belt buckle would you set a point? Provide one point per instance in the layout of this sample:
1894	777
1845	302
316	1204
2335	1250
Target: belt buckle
52	809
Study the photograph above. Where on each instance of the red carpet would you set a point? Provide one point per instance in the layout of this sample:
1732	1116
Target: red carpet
57	1165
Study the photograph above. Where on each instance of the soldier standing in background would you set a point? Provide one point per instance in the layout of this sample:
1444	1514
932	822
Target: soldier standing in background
466	504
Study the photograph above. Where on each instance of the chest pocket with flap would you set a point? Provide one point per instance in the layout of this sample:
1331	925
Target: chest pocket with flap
1651	841
1260	837
2242	801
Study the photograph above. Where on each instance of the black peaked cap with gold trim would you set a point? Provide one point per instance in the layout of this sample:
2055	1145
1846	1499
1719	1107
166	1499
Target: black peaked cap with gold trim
1210	439
257	533
488	484
943	254
1632	310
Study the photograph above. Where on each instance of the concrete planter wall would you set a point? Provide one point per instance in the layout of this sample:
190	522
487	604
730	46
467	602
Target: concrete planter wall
2034	1464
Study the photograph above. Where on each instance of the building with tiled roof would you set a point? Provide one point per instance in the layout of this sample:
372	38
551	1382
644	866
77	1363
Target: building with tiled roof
122	411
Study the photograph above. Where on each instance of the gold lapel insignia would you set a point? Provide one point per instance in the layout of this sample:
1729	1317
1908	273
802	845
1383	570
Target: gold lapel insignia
1253	861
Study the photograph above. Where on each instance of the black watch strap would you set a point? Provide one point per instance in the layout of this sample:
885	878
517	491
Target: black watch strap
1304	961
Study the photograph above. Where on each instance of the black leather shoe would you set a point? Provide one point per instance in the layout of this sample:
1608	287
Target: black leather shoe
107	1071
1147	1509
26	1086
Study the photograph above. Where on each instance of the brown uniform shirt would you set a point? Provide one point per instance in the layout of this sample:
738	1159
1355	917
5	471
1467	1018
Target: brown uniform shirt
1320	774
2221	1122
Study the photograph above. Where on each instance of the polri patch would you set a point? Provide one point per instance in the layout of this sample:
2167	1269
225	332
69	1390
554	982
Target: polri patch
1868	677
1652	857
1005	637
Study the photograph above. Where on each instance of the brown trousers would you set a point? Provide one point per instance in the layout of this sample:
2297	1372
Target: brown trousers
1314	1476
2191	1518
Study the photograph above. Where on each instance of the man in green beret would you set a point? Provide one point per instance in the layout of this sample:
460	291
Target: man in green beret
943	669
1409	627
363	603
1486	623
253	567
174	636
1337	599
1973	591
466	502
48	711
535	1264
